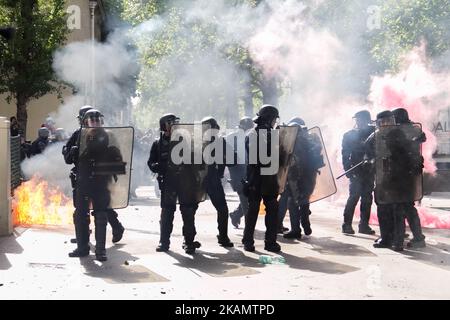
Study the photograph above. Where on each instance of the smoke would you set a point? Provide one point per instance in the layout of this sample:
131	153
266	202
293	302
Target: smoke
420	90
195	61
50	166
102	75
428	218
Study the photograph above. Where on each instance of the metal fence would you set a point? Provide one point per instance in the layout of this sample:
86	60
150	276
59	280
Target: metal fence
16	177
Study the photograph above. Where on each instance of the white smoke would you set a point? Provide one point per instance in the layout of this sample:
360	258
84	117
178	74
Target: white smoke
50	166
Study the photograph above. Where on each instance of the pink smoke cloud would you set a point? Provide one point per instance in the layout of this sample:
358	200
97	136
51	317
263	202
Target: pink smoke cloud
428	219
419	90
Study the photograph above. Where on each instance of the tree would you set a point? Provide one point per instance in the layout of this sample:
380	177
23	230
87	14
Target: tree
26	63
406	24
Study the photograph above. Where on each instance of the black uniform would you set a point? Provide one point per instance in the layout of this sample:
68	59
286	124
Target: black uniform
38	146
404	165
238	172
216	194
301	182
93	189
259	187
361	179
169	177
71	157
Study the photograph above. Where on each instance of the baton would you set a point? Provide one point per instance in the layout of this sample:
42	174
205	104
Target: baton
355	166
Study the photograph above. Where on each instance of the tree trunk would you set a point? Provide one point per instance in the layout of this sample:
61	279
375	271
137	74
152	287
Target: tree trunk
269	91
22	115
248	100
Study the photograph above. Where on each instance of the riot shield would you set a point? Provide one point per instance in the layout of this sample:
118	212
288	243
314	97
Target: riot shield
105	159
186	162
286	145
398	164
310	176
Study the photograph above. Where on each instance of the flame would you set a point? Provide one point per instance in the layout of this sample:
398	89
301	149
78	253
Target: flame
36	202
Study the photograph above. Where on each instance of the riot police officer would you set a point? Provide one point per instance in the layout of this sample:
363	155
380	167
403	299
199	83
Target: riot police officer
301	181
238	172
402	118
214	187
38	146
385	212
71	154
361	179
92	188
169	177
258	186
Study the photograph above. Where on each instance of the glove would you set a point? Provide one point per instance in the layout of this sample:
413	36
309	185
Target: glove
154	167
73	153
350	175
422	138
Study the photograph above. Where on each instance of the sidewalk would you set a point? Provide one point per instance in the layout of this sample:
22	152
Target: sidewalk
327	265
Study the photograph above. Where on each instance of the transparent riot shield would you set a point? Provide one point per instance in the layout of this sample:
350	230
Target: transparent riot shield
288	136
186	162
310	176
398	163
104	162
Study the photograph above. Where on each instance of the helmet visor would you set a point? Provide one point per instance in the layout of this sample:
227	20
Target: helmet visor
94	122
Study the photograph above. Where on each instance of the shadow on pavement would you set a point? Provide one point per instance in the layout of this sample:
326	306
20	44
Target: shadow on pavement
120	268
434	255
230	264
9	244
316	264
327	245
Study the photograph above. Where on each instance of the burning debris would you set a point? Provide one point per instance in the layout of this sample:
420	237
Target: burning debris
36	202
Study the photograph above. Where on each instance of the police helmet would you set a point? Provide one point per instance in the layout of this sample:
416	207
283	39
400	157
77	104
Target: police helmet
93	118
401	115
385	118
363	115
43	133
246	123
82	111
168	118
211	122
266	114
296	122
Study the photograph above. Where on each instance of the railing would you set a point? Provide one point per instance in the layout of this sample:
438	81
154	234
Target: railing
16	177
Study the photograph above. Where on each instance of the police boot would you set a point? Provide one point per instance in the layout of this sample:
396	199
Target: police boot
162	247
306	224
224	241
100	235
365	229
118	234
413	244
77	253
166	226
380	243
117	228
189	231
347	228
81	221
293	235
272	247
190	247
250	247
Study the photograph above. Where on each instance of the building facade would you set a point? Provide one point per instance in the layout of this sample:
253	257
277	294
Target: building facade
79	24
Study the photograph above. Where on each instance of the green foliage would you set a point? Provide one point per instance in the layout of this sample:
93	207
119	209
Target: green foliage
26	61
406	24
179	44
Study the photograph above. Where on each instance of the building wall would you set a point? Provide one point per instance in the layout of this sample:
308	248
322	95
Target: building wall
78	21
